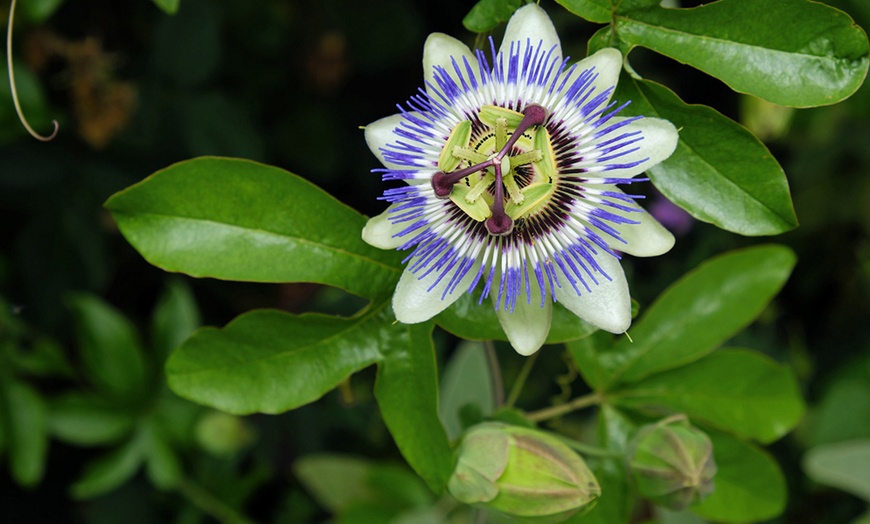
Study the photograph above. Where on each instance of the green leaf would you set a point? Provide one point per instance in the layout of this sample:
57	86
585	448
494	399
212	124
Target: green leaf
87	420
737	390
271	362
111	470
843	412
24	416
110	349
586	354
749	484
169	6
44	358
844	465
720	172
467	380
697	313
468	319
38	11
407	393
598	11
240	220
821	59
161	463
615	504
487	14
175	318
339	482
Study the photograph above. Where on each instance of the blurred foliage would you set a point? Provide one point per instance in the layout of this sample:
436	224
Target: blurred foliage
136	89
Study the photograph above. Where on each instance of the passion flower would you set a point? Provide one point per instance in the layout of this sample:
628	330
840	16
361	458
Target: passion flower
510	167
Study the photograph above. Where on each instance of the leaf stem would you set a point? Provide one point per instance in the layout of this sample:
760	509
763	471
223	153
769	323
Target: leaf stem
518	384
578	403
12	87
495	371
210	504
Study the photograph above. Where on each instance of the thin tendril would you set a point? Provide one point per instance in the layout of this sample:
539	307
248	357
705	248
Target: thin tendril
18	110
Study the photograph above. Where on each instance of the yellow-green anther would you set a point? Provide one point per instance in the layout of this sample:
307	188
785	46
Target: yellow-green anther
478	209
510	183
546	166
478	188
466	153
526	158
536	196
489	114
459	137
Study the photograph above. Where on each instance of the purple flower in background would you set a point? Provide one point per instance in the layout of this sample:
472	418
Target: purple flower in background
509	162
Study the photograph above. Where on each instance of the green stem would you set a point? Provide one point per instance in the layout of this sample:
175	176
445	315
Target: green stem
555	411
495	371
210	504
521	380
585	449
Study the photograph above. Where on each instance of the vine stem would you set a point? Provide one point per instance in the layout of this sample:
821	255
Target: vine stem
12	87
517	386
495	371
555	411
210	504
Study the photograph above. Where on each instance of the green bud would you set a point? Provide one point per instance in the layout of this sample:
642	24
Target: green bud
521	472
222	433
672	463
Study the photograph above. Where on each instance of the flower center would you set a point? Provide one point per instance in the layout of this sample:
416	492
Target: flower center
479	174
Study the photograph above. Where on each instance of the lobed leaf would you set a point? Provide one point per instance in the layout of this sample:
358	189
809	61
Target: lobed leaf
239	220
269	361
720	172
821	59
736	390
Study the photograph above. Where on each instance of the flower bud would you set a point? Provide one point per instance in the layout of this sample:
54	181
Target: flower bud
521	472
672	463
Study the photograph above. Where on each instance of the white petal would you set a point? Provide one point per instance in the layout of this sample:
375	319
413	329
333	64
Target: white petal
659	141
413	303
441	50
380	133
380	232
527	327
647	239
608	305
607	63
531	23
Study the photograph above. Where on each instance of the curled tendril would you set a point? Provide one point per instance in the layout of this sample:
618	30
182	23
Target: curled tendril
18	110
